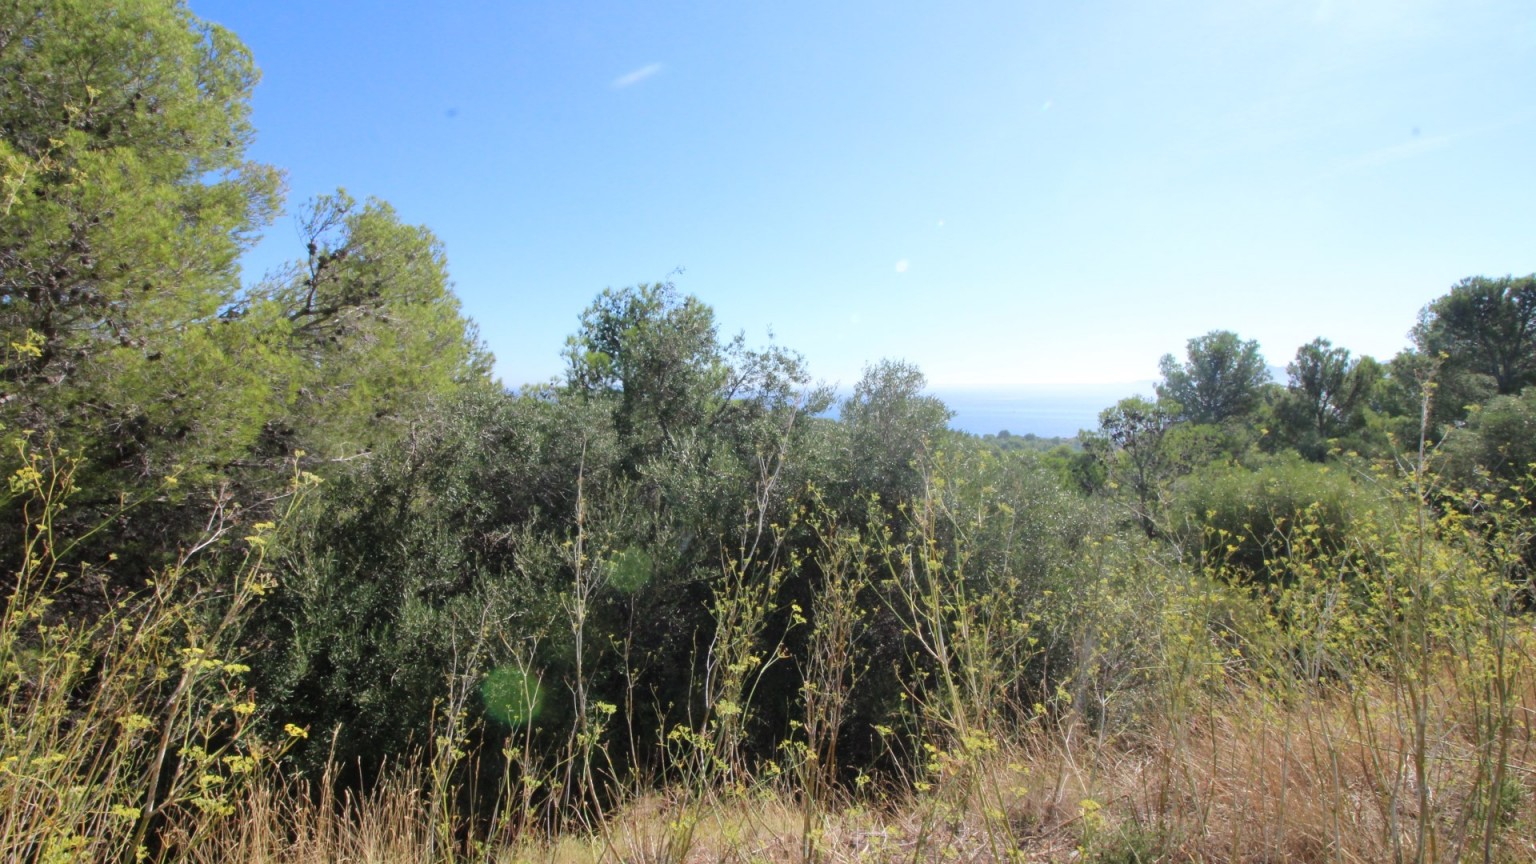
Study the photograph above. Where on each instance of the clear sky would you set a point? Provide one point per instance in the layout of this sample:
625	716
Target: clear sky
1004	193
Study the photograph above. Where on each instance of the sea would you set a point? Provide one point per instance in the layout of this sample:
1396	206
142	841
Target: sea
1048	411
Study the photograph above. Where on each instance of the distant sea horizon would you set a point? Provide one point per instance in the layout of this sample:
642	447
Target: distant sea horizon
1044	410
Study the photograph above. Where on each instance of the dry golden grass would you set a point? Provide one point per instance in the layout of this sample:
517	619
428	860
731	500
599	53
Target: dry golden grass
1252	778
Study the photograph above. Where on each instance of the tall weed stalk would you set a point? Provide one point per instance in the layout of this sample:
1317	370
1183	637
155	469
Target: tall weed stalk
129	732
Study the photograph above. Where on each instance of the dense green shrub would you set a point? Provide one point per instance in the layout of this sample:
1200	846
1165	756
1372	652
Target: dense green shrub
1248	517
1497	445
426	562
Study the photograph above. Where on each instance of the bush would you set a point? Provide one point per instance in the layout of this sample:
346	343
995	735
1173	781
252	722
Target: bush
1248	518
425	565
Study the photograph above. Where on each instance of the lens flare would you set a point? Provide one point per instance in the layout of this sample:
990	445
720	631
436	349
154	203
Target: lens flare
630	570
511	696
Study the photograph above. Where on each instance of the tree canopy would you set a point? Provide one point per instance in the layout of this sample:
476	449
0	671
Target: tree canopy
372	324
1220	378
1326	394
1485	326
126	200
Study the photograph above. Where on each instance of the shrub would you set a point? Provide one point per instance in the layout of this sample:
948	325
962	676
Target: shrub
1250	517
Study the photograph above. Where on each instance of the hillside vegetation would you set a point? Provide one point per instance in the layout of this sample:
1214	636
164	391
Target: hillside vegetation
291	578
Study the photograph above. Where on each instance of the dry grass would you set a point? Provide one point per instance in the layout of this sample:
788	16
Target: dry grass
1251	779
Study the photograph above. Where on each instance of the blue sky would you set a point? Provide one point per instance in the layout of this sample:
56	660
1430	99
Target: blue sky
1005	193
